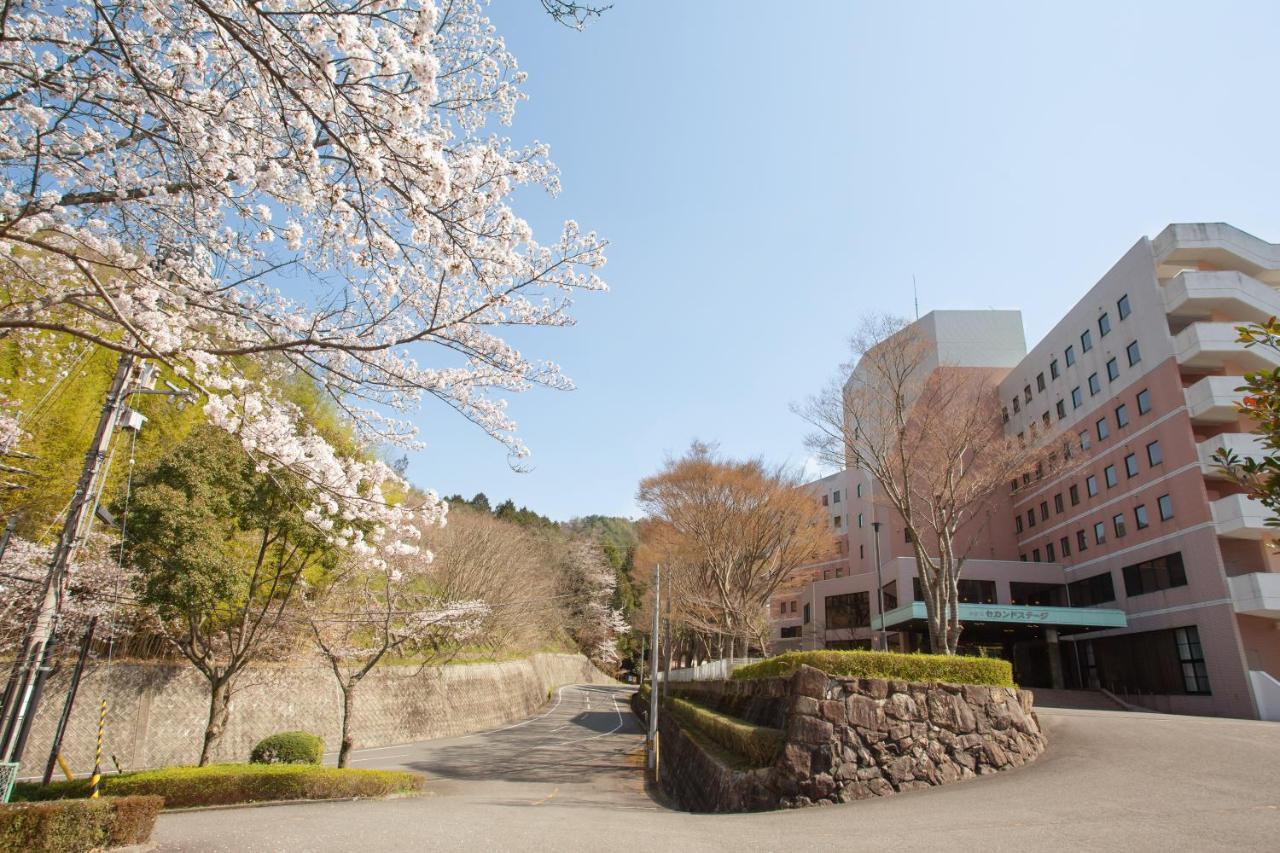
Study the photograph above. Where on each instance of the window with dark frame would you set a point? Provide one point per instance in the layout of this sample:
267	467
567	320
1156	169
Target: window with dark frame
1086	341
1122	416
1118	526
1109	474
1103	429
1073	492
1134	353
1144	401
1044	510
1057	503
1195	675
1035	555
1062	409
1031	518
850	610
1091	485
1077	398
1099	533
1162	573
1064	545
1095	385
1049	555
1070	355
1026	393
1053	369
1140	517
1017	523
1122	306
1104	325
1154	454
1092	591
1165	504
1082	541
1039	381
1017	405
1113	370
1131	465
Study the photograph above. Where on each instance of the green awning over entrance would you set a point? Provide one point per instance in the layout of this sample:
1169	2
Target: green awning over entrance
1020	614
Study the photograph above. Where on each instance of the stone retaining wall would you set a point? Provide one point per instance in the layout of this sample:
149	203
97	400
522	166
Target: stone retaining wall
851	738
157	713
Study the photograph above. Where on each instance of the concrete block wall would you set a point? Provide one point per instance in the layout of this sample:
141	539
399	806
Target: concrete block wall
157	712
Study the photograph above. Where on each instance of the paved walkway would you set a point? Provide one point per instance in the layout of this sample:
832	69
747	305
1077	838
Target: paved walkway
569	780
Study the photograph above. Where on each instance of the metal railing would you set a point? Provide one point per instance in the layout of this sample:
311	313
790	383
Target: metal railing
713	670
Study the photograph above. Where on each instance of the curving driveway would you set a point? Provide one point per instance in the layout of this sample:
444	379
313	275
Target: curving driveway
570	779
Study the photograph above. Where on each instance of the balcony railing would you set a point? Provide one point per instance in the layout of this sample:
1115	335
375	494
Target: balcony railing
1213	399
1242	444
1213	345
1194	295
1241	517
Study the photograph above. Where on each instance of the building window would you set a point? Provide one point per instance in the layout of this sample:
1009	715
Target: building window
859	519
1113	370
835	497
1117	523
1131	465
1154	575
1122	306
838	520
1044	419
1004	414
793	607
1099	533
1154	454
1122	416
1103	429
825	500
975	591
1031	518
1070	355
1044	510
1086	341
859	487
1140	516
1074	492
1039	381
1195	677
1077	398
1095	386
906	535
1035	555
1026	393
1064	545
1109	473
1017	405
1082	541
790	632
1091	485
1092	591
1165	505
1053	369
1144	401
807	613
862	553
1017	523
1057	502
1135	355
1049	555
851	610
1104	325
1084	439
1062	409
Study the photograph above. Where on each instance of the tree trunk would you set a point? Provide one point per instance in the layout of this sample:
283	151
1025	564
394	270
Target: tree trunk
348	708
219	711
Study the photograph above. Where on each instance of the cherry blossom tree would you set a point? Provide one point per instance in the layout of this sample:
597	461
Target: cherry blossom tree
365	610
588	583
249	190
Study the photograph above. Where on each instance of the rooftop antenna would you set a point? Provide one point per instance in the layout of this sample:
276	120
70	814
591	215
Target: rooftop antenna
915	293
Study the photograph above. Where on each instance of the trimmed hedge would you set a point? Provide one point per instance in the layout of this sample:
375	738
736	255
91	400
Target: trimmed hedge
757	746
887	665
73	826
288	748
230	784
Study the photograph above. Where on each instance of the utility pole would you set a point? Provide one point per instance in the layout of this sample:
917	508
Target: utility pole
653	675
666	657
884	635
35	656
56	748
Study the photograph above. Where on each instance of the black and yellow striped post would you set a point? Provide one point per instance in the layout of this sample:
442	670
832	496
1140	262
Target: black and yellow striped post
97	756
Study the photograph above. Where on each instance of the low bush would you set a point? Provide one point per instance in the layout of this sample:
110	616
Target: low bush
73	826
887	665
288	748
757	746
229	784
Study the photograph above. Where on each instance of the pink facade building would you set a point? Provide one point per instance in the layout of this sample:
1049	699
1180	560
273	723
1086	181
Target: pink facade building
1144	572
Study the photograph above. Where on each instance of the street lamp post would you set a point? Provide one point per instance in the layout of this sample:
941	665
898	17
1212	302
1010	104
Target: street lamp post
884	644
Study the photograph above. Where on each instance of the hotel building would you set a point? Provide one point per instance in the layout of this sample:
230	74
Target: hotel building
1144	571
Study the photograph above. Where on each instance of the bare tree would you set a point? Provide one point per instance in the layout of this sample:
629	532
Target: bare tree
732	531
928	433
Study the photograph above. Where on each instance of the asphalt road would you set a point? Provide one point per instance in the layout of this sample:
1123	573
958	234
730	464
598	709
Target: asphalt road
569	779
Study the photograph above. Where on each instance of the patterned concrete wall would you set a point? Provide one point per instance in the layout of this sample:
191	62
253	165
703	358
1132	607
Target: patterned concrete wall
156	714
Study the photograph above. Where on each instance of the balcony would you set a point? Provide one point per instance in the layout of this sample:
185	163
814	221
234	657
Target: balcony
1207	346
1242	444
1213	399
1240	517
1192	296
1256	594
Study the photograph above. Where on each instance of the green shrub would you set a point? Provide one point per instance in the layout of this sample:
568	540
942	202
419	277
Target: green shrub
887	665
288	748
229	784
72	826
757	746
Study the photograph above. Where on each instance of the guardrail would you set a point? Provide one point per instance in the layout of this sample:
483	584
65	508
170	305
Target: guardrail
712	670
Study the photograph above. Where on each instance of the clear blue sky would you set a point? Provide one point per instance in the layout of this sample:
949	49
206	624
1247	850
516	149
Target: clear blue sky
768	172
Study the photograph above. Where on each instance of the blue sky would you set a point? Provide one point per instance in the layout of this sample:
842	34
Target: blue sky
768	173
